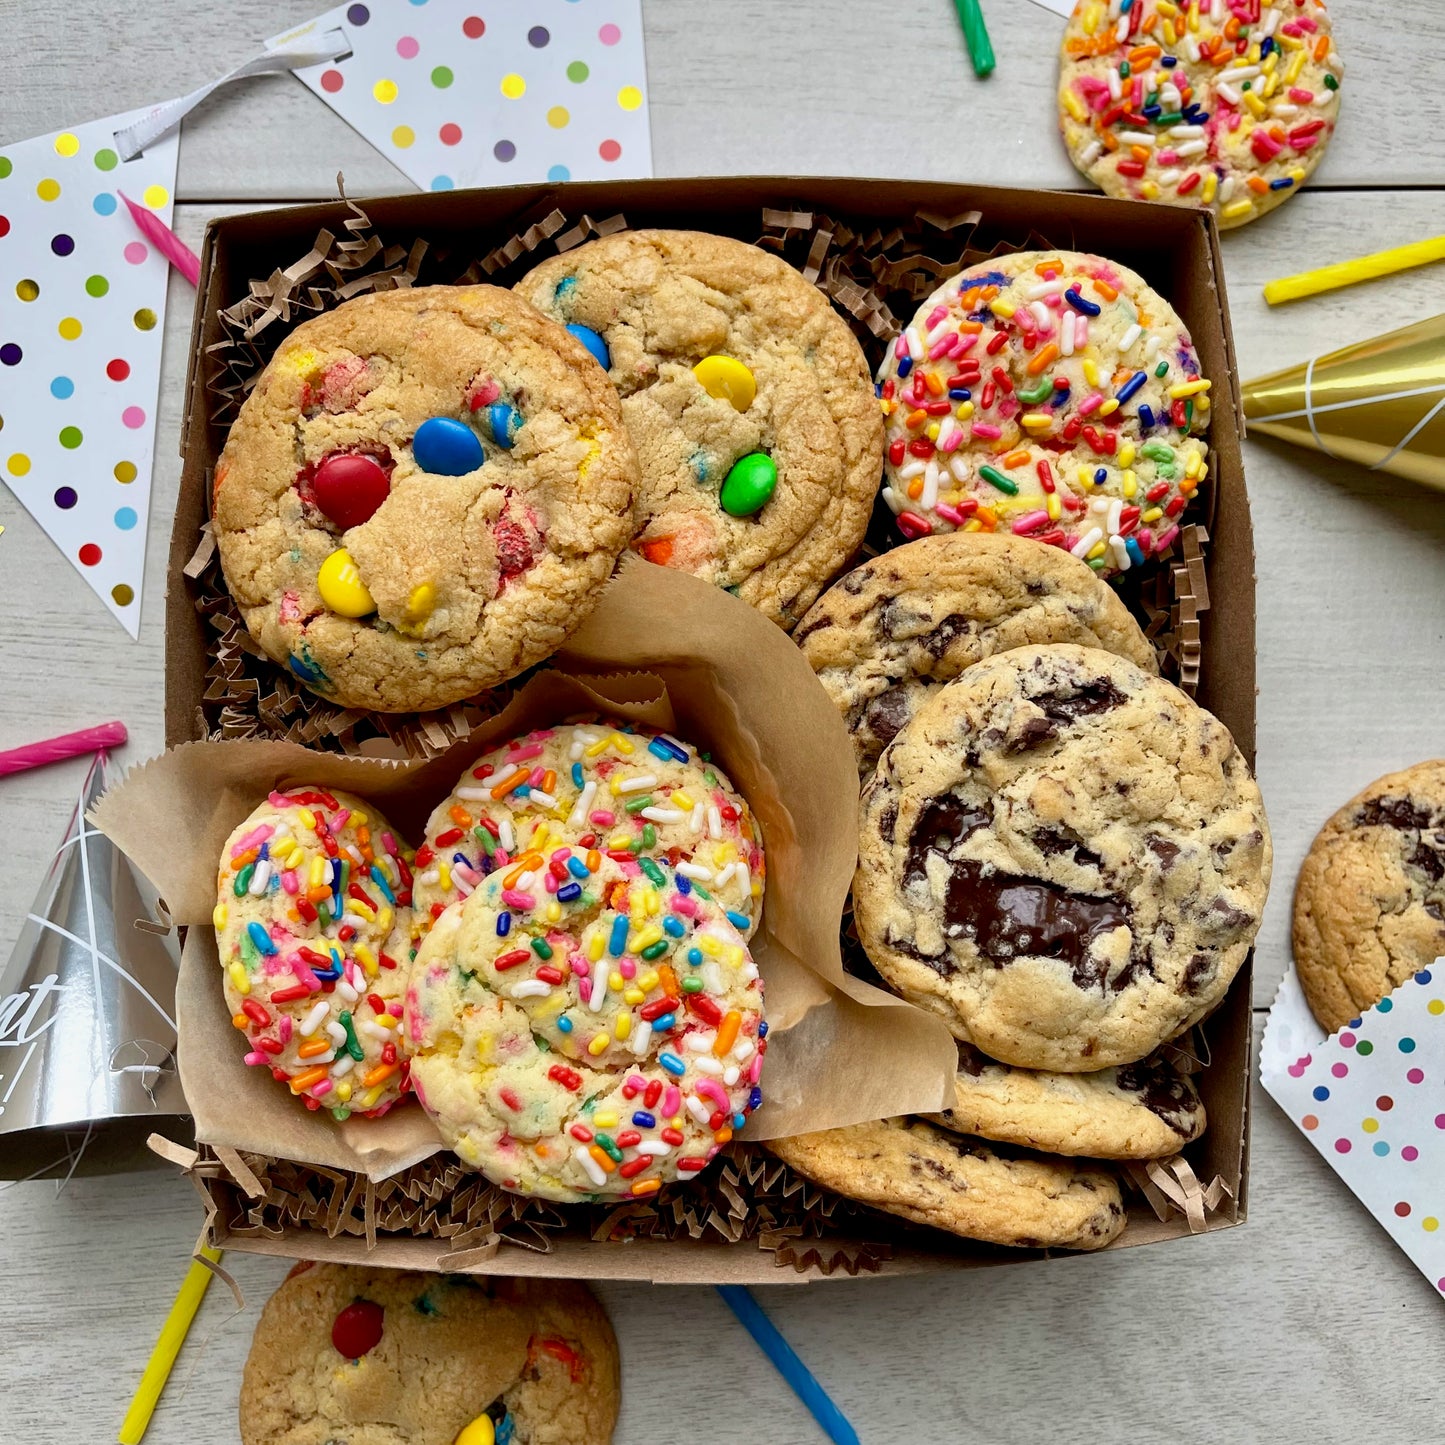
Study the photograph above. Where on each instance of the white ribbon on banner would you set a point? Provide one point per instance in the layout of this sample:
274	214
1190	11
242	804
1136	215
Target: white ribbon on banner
333	45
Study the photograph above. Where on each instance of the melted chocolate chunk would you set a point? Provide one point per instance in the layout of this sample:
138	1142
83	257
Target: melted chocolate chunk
1008	917
1197	973
954	626
816	625
940	963
1165	851
852	584
895	619
1086	701
942	825
971	1062
1053	844
1392	813
1035	732
1429	860
1161	1091
885	714
888	821
1222	918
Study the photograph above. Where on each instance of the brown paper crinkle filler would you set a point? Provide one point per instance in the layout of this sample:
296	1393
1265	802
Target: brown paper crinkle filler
1172	1187
748	1197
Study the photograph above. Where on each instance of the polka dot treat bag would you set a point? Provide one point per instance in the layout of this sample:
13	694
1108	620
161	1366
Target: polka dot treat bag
491	92
82	312
1369	1099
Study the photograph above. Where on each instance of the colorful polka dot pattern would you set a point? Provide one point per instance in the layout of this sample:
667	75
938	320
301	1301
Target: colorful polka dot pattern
80	347
1368	1099
567	87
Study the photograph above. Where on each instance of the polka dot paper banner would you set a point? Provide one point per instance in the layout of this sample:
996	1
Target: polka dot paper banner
1370	1099
82	312
492	92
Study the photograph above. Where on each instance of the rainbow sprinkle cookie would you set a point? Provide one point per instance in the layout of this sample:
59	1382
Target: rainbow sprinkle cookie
628	791
1227	104
312	925
586	1029
1053	395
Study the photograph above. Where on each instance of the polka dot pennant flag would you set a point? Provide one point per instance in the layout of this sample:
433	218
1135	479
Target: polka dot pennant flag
492	92
1370	1099
82	312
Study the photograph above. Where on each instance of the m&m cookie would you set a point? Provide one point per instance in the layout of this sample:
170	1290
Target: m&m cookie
424	493
1225	104
1053	395
589	1029
629	792
313	929
747	398
396	1357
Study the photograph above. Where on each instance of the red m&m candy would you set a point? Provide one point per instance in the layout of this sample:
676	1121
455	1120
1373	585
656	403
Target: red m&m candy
357	1329
349	487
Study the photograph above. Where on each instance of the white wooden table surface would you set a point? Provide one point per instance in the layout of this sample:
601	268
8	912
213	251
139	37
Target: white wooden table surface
1306	1323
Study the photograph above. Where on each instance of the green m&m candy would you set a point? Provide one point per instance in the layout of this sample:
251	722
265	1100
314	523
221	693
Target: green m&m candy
749	484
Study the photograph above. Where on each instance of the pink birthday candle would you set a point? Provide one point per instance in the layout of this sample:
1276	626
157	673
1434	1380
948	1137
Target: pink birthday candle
165	241
68	745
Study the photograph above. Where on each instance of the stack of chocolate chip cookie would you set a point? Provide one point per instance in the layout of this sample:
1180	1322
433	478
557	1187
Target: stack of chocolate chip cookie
1060	855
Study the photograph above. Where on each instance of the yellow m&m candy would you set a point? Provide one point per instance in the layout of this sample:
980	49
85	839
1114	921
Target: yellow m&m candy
341	588
480	1432
727	379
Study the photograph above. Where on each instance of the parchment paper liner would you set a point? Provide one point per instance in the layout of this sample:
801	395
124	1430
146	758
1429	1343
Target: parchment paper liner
875	274
839	1050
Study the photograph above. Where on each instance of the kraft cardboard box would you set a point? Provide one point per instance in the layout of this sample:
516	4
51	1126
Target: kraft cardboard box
282	1208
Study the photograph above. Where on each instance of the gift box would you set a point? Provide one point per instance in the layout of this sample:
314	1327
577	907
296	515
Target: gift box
872	245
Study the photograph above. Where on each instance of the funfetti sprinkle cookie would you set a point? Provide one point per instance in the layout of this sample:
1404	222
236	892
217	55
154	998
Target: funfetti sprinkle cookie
313	928
1224	104
628	791
747	398
423	495
1053	395
586	1029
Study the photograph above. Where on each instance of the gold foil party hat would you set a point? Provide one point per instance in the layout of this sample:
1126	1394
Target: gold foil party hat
1380	403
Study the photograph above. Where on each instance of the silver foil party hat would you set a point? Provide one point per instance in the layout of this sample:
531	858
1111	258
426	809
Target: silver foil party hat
87	1013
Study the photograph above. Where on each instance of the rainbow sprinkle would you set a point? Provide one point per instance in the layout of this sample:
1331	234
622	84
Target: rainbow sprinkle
1225	104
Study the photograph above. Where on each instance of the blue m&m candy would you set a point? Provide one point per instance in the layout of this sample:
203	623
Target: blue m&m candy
594	343
446	448
505	422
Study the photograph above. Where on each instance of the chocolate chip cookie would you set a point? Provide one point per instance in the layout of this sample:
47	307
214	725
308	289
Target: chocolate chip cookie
388	1357
1147	1110
1063	857
748	399
424	493
993	1193
1369	907
883	638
